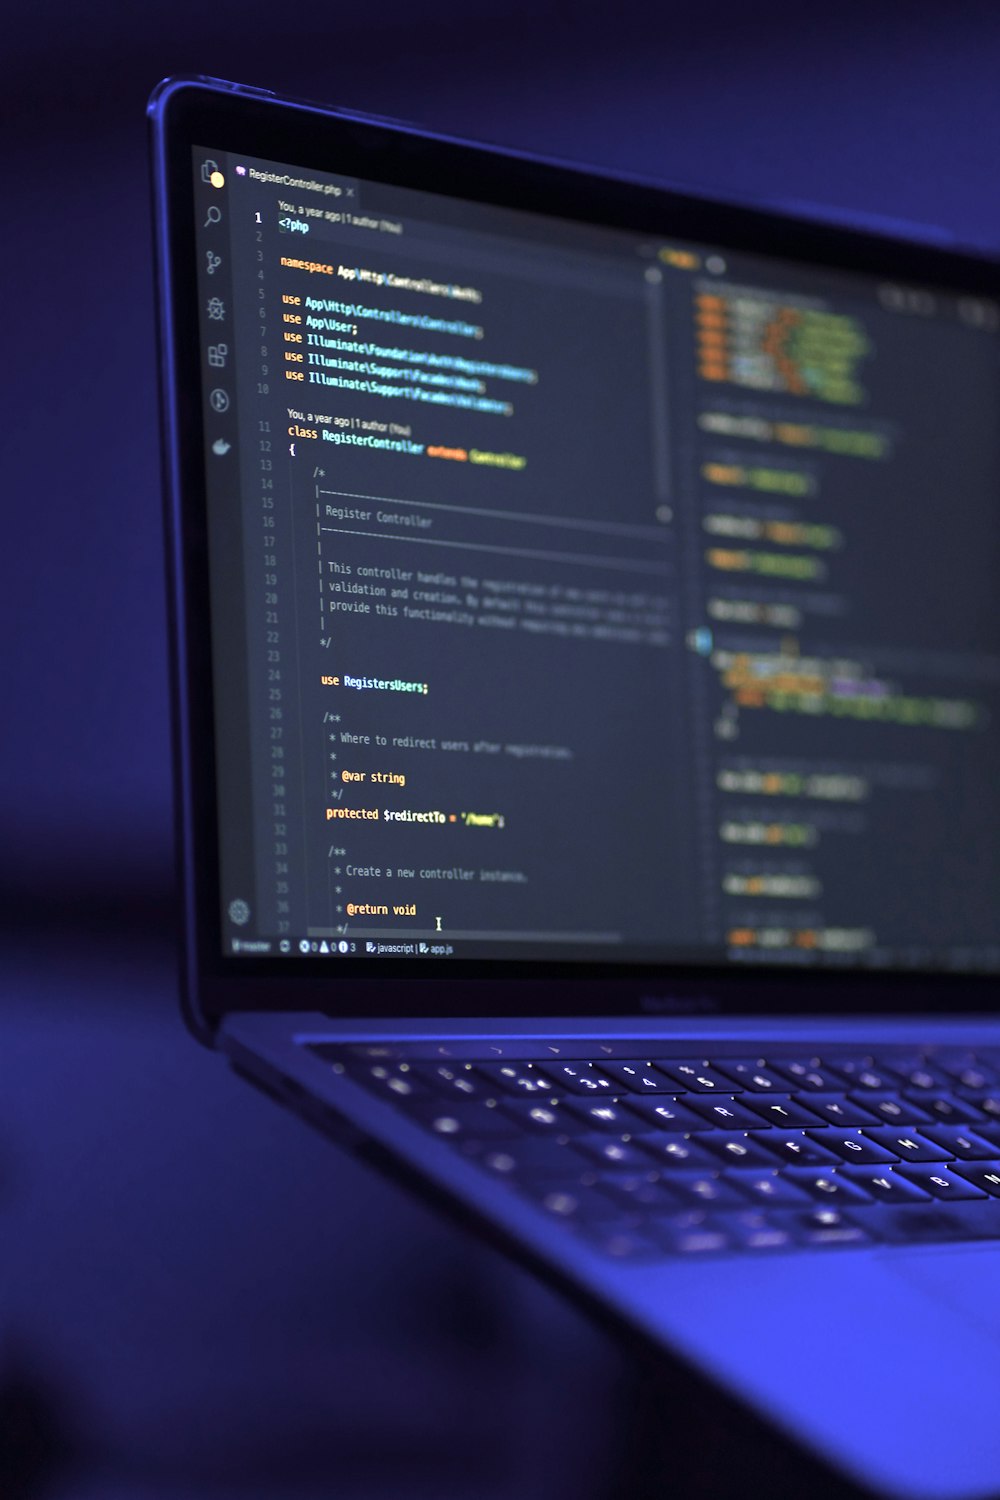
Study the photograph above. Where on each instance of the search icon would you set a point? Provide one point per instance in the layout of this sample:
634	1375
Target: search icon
214	216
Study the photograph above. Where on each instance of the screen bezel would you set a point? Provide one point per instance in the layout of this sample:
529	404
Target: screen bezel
185	113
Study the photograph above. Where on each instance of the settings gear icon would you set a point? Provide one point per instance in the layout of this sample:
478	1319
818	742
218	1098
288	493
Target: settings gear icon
239	913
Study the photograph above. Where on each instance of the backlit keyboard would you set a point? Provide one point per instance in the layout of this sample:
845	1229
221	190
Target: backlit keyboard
648	1153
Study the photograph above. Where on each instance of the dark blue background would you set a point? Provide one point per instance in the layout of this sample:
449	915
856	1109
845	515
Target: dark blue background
196	1296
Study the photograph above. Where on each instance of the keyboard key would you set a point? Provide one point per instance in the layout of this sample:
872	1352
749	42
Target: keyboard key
956	1140
573	1203
730	1113
753	1230
806	1073
641	1193
783	1111
829	1186
698	1076
838	1109
693	1233
864	1073
575	1078
971	1074
799	1149
885	1185
930	1222
823	1227
393	1080
947	1108
530	1157
852	1146
366	1052
767	1187
678	1151
611	1153
704	1188
665	1114
457	1120
738	1150
940	1182
894	1108
751	1075
989	1105
600	1114
543	1117
450	1079
899	1064
926	1078
909	1145
985	1175
622	1244
636	1078
514	1078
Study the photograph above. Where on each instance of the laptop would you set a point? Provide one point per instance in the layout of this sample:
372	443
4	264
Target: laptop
587	698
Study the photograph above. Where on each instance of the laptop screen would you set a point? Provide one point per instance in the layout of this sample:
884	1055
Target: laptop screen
583	595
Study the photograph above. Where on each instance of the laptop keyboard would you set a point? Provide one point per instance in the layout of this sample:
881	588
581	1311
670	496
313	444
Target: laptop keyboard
646	1154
